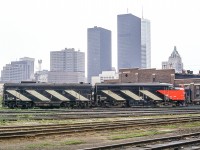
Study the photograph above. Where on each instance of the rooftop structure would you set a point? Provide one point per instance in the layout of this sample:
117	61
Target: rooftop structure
174	62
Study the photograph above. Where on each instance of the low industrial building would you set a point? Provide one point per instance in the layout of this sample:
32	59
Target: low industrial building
66	77
105	75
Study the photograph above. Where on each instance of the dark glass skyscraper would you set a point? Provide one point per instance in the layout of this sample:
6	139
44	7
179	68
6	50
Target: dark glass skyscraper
129	41
98	51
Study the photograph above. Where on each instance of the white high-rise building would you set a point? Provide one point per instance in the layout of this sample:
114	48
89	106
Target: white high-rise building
174	62
17	71
67	66
67	60
145	43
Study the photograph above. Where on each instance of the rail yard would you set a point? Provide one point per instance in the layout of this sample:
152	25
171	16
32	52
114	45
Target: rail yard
107	116
100	128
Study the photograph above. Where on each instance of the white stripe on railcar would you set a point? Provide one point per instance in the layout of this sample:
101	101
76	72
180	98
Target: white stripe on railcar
77	95
113	95
18	95
57	95
38	95
131	94
151	95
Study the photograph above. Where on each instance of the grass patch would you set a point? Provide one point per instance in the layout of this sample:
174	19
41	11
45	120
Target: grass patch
1	99
170	126
181	125
52	145
167	116
2	121
191	124
137	134
39	145
25	117
124	132
72	142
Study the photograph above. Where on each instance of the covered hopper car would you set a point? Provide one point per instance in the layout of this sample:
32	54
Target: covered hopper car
28	95
132	94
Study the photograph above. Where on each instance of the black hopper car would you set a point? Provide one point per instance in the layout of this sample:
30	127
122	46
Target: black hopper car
66	95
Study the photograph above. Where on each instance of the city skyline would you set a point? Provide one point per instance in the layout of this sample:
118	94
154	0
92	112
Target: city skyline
34	28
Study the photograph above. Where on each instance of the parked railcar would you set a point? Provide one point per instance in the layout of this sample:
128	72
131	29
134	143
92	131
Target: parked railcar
28	95
132	94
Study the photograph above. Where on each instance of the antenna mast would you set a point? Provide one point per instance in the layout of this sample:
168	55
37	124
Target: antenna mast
142	12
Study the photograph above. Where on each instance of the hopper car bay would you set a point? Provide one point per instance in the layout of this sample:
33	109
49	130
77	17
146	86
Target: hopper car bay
29	95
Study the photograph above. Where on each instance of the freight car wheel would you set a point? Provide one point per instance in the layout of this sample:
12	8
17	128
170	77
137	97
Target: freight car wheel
12	105
65	105
84	105
27	105
24	106
32	105
87	104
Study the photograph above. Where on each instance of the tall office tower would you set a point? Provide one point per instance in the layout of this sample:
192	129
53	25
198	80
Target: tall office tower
129	41
18	71
145	43
98	51
67	65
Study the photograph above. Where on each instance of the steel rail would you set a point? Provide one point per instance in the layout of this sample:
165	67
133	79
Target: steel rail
94	112
100	122
61	129
83	116
176	144
148	143
101	110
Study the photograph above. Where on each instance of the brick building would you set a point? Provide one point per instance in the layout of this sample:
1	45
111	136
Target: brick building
137	75
190	81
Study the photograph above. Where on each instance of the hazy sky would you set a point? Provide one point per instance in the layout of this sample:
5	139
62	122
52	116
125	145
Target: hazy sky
33	28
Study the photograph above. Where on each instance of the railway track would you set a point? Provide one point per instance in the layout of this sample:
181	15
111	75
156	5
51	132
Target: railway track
173	142
9	132
80	114
192	108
